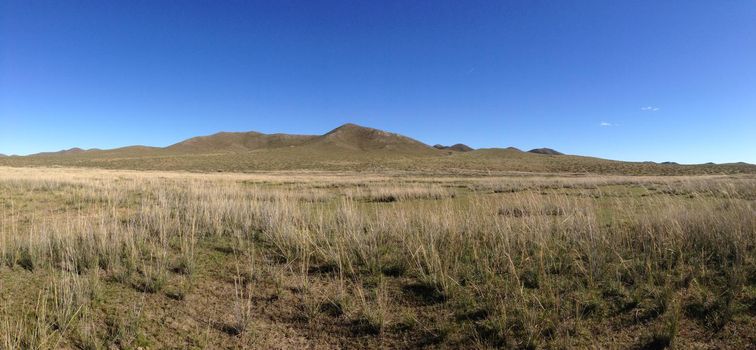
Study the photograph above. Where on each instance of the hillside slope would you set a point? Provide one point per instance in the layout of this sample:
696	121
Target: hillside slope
348	147
237	142
458	147
355	138
546	151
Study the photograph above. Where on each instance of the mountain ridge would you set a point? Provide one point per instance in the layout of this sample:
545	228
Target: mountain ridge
347	147
237	141
348	136
458	147
360	138
546	151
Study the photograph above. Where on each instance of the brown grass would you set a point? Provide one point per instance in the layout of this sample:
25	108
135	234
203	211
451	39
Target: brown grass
100	259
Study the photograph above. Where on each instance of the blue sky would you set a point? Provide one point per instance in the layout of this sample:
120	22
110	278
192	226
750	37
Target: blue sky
628	80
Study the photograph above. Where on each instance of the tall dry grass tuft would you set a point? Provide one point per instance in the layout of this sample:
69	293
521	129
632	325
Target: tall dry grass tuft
516	262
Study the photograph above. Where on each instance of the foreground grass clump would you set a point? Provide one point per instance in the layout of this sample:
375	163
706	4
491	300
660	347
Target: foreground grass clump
102	259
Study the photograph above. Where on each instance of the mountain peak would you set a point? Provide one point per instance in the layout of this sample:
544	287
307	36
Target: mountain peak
237	142
459	147
349	127
546	151
360	138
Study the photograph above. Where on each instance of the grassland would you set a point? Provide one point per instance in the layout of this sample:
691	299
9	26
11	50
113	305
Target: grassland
98	259
478	162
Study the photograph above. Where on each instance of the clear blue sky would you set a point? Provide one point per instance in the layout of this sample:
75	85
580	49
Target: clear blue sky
630	80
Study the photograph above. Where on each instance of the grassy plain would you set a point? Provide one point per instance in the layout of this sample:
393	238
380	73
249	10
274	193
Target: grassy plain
477	162
98	259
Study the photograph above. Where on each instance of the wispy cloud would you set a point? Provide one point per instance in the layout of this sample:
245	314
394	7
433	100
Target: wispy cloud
605	124
650	109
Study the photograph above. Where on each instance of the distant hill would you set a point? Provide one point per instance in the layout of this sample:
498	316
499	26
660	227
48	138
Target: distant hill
351	137
459	147
237	142
133	149
547	151
348	147
75	150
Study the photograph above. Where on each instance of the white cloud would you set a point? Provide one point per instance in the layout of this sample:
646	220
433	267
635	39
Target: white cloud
605	124
650	109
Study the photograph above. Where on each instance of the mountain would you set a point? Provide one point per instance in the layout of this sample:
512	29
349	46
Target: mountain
238	142
459	147
137	148
349	138
75	150
354	138
349	142
348	147
547	151
2	155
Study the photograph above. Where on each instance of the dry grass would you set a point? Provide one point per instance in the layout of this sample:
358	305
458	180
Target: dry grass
101	259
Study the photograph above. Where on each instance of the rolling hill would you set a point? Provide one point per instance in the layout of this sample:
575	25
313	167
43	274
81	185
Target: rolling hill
75	150
348	147
237	142
355	138
459	147
546	151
